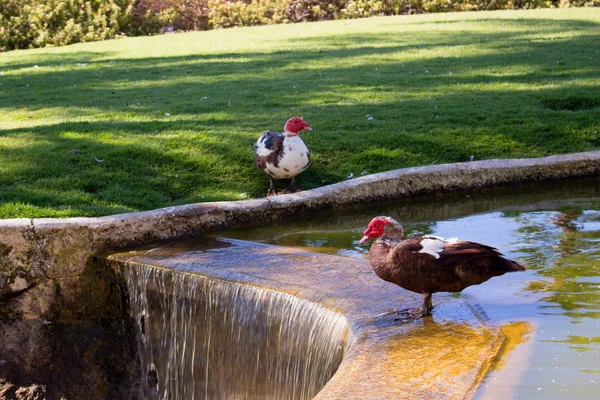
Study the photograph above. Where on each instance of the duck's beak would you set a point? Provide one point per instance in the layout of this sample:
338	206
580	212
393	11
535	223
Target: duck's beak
308	128
364	239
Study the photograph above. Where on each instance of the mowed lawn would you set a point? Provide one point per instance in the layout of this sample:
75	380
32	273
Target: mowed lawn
142	123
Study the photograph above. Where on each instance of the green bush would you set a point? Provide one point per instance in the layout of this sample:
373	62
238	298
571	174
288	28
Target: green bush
148	17
14	30
312	10
38	23
225	14
368	8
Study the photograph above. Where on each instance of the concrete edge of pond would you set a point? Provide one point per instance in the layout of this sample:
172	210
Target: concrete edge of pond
24	239
44	262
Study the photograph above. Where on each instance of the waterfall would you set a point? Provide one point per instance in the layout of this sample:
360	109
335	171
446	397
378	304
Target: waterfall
206	338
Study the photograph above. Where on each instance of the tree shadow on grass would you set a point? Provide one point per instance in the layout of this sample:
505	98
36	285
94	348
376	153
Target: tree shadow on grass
443	107
102	77
90	169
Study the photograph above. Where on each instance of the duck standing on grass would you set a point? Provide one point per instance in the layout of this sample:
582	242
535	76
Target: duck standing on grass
283	155
431	264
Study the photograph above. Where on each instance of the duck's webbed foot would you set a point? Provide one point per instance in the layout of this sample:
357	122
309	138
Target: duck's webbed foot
415	313
407	314
292	188
273	191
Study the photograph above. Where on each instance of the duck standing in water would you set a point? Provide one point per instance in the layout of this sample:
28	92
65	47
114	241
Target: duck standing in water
431	264
283	155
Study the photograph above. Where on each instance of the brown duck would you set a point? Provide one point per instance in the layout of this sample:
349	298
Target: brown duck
430	264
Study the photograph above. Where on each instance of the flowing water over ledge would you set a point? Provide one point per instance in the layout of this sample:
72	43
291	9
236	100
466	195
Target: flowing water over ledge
222	318
206	338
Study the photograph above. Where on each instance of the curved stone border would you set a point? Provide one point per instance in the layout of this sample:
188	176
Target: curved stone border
35	248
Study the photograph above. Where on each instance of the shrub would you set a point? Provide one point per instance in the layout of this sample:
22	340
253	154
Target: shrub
313	10
148	17
368	8
227	13
14	30
38	23
192	15
151	16
224	13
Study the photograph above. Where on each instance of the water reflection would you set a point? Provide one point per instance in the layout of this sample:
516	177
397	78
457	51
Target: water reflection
554	228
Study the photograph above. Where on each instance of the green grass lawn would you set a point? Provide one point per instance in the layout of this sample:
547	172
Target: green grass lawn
173	118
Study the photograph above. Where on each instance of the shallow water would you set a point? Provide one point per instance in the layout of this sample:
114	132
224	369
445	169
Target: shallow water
554	228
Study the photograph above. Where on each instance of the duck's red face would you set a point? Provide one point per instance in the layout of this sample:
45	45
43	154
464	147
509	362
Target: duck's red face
375	229
295	125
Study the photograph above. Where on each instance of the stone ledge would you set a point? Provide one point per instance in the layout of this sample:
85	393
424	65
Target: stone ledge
35	248
54	247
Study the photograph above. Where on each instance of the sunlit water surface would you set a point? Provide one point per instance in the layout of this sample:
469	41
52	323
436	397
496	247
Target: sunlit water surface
554	228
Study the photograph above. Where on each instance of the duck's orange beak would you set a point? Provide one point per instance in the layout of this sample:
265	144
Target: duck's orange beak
366	237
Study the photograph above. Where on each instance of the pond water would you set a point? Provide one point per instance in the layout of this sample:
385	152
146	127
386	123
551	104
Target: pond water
552	227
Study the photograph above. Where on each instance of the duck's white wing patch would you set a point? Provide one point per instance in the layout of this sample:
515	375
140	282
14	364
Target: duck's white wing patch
451	240
434	237
260	149
432	245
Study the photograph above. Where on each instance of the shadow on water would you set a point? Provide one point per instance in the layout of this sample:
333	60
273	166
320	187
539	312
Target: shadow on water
338	232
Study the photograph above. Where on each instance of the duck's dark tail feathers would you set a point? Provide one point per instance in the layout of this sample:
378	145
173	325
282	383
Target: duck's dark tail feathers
504	265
